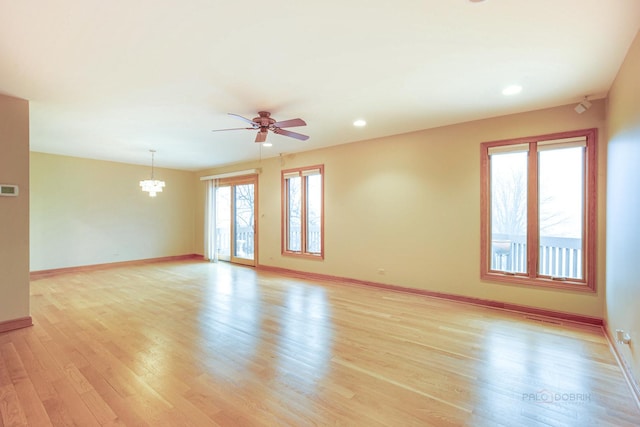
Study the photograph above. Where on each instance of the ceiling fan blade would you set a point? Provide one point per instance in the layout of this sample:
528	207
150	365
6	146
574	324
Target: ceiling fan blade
251	122
295	135
222	130
290	123
261	136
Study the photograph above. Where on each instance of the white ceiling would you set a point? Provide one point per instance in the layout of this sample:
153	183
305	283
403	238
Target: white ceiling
112	79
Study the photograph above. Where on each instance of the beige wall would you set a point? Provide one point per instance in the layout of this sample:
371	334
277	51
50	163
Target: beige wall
86	212
14	211
410	204
623	206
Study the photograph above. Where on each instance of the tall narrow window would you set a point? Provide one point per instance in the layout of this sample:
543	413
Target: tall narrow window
302	208
538	210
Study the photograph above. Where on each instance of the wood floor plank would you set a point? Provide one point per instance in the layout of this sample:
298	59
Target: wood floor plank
31	404
11	411
191	343
34	362
21	391
126	414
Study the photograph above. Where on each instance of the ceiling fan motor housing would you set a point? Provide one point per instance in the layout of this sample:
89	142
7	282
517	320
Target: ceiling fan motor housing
264	121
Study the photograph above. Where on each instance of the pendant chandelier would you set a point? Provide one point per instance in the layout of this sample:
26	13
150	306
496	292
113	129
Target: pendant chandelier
152	186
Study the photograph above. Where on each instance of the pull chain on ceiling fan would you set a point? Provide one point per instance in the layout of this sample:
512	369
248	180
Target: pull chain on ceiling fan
264	123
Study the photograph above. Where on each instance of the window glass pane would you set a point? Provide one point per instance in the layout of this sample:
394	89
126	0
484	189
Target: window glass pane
314	212
294	211
561	210
509	212
223	222
244	221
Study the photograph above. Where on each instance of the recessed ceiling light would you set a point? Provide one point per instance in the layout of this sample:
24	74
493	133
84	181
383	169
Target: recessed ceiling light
360	123
267	144
512	90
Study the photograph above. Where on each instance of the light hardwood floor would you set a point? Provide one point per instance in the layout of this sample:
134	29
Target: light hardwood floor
198	344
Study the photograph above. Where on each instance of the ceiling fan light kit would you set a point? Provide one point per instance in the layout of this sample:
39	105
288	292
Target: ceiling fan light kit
264	123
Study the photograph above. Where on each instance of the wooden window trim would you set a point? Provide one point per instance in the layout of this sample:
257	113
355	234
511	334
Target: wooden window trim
303	253
531	278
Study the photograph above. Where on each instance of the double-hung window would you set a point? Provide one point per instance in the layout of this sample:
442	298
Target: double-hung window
303	211
538	207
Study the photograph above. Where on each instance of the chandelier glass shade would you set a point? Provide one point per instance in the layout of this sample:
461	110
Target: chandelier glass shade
152	186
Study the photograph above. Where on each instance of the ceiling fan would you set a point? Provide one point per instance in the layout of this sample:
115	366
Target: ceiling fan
264	123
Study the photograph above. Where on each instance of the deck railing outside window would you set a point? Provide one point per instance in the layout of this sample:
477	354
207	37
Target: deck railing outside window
559	256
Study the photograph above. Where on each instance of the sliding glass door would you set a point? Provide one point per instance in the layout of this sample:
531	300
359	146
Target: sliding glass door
236	220
243	244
